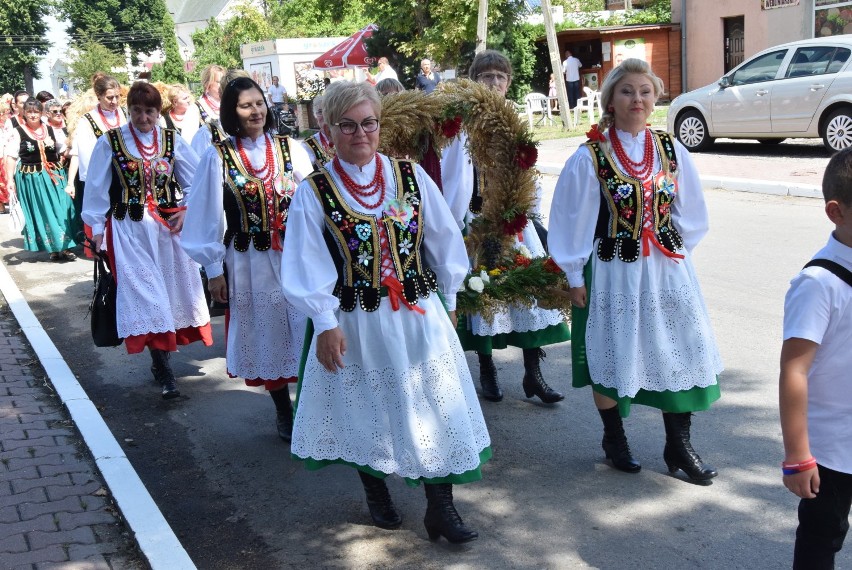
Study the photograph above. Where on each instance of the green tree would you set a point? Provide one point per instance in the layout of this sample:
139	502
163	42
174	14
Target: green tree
89	58
219	44
114	23
22	41
317	18
171	70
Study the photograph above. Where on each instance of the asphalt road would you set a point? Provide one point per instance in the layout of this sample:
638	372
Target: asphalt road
236	499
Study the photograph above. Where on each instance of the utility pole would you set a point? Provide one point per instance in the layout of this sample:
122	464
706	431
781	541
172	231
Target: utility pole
481	26
556	65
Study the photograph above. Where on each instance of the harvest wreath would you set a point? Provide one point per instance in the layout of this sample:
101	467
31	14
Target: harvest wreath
505	154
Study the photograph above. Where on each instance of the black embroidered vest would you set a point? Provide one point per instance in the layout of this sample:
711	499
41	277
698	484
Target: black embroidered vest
29	153
249	215
320	155
619	225
355	244
475	205
95	127
127	193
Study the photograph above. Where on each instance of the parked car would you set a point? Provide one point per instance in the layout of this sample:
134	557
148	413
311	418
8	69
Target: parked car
801	89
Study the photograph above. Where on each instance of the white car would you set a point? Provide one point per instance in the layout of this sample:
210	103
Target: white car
801	89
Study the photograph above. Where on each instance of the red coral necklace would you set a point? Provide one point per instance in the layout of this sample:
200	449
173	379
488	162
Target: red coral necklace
146	151
640	170
209	100
362	191
266	172
106	121
35	135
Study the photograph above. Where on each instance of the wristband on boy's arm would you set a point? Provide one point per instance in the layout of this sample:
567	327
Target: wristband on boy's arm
793	468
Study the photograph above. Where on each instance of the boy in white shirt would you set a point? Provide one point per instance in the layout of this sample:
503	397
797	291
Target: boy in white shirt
816	382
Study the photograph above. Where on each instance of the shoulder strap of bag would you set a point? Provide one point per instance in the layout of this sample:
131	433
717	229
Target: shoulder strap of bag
834	267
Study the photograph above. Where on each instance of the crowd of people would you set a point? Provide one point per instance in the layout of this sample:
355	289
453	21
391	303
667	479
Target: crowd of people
340	268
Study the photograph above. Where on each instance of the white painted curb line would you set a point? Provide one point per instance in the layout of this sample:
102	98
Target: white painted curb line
153	534
730	183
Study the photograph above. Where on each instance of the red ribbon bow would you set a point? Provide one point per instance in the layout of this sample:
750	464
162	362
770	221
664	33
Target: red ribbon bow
396	297
595	135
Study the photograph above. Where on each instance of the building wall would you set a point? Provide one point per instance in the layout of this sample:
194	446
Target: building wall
763	29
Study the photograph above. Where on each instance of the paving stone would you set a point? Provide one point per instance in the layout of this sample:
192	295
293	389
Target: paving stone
35	495
40	461
14	543
42	523
82	478
54	431
23	485
27	559
14	444
41	539
9	515
16	433
29	472
69	521
72	466
60	492
84	551
71	504
24	451
19	390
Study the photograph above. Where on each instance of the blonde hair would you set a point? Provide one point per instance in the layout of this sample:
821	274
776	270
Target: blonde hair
229	76
630	65
343	95
172	94
208	73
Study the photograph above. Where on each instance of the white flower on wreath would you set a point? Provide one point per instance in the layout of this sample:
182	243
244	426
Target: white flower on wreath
484	276
364	258
525	251
476	284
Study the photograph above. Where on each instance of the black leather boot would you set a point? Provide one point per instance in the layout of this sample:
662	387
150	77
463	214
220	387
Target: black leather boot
534	383
615	442
679	453
382	510
162	371
283	413
488	378
442	518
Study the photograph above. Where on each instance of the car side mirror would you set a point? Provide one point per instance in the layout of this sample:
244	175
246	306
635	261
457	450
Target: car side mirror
725	82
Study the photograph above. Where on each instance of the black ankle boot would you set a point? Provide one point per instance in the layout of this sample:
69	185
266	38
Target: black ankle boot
679	453
162	371
488	378
283	413
615	442
442	518
534	383
382	510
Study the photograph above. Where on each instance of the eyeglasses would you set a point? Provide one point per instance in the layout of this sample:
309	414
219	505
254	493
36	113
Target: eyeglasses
350	127
55	112
493	77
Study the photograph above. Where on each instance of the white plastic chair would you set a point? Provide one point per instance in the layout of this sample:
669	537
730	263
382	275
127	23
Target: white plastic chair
588	104
538	103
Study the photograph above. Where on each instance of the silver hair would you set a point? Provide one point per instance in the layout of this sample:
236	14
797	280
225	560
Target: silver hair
341	96
317	106
630	65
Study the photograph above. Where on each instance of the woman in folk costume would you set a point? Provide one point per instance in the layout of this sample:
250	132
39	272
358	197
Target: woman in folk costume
209	132
386	388
527	328
627	213
242	190
319	146
180	112
34	174
134	215
106	115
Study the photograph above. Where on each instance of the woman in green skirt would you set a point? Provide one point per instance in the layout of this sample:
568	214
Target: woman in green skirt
32	164
627	212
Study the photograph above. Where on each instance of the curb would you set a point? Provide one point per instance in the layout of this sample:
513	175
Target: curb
729	183
155	537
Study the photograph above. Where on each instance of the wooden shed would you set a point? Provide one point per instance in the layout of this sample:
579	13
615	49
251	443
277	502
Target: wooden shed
600	49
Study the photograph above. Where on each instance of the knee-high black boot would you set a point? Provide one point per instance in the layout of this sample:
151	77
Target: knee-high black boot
283	413
382	509
488	378
679	453
534	383
615	442
442	518
162	371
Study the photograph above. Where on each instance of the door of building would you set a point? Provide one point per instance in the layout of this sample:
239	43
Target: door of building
734	42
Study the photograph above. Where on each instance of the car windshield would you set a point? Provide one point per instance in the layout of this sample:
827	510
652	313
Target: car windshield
761	68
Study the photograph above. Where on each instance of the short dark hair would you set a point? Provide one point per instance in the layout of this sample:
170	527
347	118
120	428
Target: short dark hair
44	96
489	60
228	105
32	103
144	94
837	180
20	92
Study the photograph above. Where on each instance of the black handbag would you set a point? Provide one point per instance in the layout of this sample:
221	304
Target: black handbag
102	307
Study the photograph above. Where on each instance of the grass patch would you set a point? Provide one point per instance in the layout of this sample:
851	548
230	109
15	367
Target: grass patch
544	133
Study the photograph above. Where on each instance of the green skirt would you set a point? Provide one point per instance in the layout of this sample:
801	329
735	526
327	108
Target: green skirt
48	211
531	339
693	400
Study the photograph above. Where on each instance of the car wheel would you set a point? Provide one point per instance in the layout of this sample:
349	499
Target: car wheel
837	133
691	131
770	141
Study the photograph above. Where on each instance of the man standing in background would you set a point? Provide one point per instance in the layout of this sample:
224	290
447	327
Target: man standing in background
276	94
427	79
572	66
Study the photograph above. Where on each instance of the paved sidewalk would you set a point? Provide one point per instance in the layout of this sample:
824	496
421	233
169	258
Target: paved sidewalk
55	511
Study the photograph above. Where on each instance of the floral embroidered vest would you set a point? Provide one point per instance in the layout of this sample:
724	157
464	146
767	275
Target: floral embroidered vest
619	226
95	127
320	154
29	153
252	214
355	244
128	194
